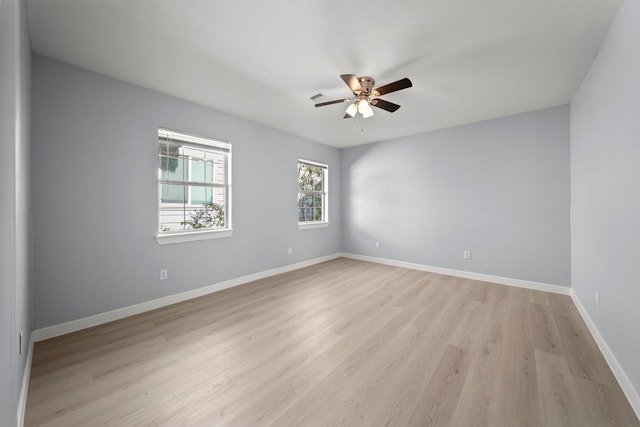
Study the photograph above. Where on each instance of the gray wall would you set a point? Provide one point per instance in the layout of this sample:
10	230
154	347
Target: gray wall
15	57
94	153
605	189
498	188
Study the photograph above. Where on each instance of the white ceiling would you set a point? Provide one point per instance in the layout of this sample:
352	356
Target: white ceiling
469	60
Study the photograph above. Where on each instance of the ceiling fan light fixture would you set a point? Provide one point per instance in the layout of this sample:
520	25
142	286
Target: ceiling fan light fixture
352	110
361	105
364	108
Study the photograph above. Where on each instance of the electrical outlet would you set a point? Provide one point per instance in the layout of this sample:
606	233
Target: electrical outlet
467	254
597	299
164	274
377	245
290	251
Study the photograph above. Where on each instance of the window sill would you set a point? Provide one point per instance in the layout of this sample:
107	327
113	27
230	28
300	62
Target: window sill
192	236
309	225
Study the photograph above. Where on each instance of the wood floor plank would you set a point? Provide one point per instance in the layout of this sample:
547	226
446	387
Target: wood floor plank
545	331
486	350
440	396
559	403
344	342
517	386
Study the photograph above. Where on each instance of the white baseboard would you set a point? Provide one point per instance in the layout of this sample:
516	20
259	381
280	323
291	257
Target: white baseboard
22	401
121	313
627	387
556	289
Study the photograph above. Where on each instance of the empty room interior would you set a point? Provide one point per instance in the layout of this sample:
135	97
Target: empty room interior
324	213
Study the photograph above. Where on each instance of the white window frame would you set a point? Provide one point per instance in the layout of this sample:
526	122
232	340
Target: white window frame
305	225
186	235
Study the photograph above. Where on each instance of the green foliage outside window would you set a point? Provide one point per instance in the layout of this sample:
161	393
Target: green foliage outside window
210	216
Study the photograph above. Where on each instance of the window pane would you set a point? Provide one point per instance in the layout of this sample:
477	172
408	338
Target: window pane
201	170
168	162
173	167
197	196
201	195
197	170
310	177
308	214
173	193
218	195
208	171
219	172
171	218
307	201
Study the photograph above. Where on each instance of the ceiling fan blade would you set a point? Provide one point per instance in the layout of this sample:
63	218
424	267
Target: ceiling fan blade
385	105
347	116
392	87
353	83
337	101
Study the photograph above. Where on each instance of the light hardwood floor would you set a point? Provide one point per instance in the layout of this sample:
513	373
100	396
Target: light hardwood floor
340	343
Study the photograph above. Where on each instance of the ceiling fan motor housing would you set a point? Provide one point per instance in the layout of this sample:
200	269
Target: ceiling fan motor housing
367	84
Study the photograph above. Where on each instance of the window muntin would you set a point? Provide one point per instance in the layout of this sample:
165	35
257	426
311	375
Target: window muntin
312	192
194	183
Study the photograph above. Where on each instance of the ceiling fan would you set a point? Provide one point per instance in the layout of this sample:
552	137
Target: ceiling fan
365	96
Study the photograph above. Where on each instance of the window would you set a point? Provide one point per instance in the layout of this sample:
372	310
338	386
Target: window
312	194
194	187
